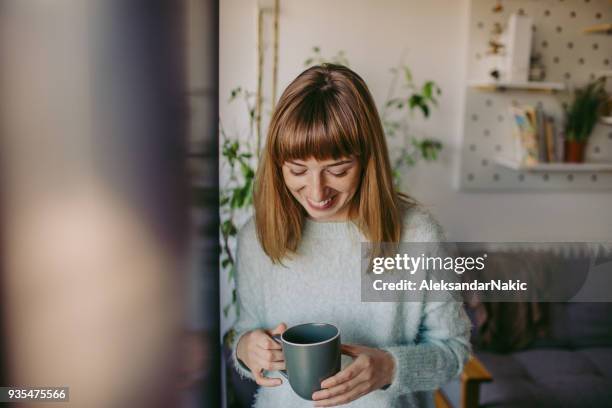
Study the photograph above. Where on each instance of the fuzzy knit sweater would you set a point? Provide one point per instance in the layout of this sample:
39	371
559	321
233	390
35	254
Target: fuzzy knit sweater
429	341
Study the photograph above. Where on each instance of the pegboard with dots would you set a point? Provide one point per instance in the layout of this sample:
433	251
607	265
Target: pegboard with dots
569	56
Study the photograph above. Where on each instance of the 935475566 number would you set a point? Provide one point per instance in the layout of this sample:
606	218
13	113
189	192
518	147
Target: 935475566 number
39	394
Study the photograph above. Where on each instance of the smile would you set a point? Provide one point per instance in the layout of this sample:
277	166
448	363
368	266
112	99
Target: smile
321	205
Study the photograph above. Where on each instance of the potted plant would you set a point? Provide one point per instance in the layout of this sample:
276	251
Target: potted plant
581	116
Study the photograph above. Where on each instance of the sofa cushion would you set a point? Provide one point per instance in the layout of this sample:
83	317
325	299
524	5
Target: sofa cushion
578	325
544	378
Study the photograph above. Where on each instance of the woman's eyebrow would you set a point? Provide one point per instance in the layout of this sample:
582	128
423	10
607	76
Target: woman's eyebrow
340	163
296	164
329	165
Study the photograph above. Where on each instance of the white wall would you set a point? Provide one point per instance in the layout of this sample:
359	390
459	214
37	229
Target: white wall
433	35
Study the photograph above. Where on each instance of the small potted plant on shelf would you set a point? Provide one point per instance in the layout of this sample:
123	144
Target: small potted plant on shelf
581	116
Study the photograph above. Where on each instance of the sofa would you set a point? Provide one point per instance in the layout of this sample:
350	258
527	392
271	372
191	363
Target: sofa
564	361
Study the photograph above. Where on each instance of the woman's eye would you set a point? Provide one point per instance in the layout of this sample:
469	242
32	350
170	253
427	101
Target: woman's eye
338	173
297	172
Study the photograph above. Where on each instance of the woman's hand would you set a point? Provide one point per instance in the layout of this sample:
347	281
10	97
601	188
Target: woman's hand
371	370
258	351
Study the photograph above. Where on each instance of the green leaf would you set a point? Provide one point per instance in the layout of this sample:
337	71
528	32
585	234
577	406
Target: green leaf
228	228
248	200
240	195
409	160
425	110
396	177
234	93
407	74
308	62
247	171
415	100
428	89
316	49
225	262
237	198
232	273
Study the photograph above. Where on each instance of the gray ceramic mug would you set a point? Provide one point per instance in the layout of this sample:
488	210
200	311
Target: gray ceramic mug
312	354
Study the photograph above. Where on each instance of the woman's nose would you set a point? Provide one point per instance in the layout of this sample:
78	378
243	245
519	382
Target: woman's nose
318	188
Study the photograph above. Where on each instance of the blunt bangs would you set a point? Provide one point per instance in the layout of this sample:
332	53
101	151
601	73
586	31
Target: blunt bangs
321	127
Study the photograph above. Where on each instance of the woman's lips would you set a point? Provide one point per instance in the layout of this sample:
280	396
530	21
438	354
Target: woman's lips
321	205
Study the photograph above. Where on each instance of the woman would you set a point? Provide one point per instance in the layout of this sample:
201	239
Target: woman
324	186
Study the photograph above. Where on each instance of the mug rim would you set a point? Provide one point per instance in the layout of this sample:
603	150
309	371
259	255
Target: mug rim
311	344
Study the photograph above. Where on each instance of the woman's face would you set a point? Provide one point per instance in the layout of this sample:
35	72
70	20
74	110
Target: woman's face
324	188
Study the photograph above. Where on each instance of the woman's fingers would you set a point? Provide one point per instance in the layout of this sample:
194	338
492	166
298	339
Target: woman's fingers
269	355
350	350
350	372
265	381
273	366
339	389
269	365
264	341
356	392
278	329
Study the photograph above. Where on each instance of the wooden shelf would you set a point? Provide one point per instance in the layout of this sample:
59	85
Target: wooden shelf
518	86
599	29
554	167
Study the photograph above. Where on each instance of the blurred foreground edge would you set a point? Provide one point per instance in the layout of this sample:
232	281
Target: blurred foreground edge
94	198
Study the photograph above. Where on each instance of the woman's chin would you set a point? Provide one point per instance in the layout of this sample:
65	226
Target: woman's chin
333	214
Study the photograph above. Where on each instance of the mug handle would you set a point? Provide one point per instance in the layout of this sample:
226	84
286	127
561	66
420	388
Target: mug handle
277	338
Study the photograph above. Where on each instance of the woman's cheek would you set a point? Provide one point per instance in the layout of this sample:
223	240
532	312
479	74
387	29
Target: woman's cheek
351	183
293	183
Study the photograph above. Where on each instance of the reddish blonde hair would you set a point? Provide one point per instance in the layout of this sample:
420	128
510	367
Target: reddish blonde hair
327	112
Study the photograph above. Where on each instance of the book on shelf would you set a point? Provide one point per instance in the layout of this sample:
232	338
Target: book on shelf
541	131
559	145
537	139
549	126
525	139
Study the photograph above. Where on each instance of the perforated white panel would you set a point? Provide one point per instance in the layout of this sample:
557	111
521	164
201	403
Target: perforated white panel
569	56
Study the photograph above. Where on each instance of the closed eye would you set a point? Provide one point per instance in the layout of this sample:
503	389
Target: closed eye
297	173
338	173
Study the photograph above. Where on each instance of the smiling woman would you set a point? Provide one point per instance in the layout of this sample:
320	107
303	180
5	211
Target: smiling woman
325	117
323	186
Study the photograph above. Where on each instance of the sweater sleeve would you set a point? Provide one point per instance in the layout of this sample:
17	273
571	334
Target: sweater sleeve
248	301
442	346
440	353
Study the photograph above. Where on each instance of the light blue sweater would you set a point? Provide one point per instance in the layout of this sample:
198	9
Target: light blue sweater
321	283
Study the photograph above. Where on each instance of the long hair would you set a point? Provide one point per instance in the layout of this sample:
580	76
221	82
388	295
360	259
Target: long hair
327	112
